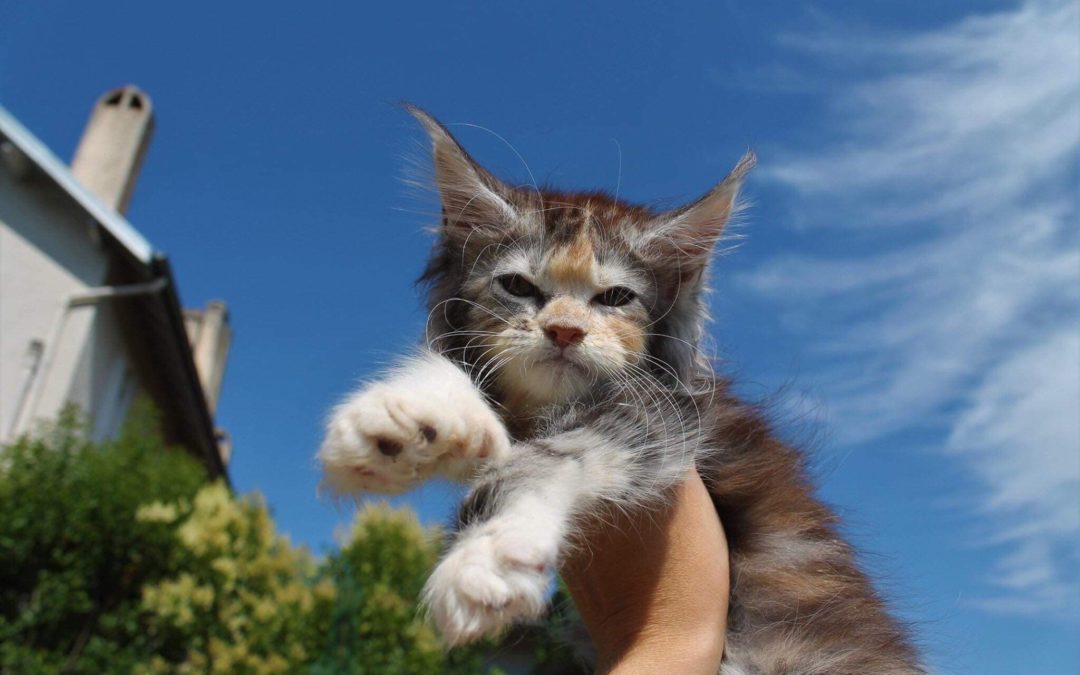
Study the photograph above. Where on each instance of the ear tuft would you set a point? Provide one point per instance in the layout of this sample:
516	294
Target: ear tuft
694	229
471	197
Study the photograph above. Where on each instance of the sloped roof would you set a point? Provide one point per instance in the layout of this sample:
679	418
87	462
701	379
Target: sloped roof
112	222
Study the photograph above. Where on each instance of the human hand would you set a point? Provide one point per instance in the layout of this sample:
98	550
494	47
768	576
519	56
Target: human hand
652	588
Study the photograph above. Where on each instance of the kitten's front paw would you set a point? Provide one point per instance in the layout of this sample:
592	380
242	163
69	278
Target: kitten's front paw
493	576
391	436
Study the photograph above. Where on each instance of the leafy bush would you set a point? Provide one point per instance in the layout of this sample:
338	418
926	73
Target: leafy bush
73	559
245	600
121	557
376	626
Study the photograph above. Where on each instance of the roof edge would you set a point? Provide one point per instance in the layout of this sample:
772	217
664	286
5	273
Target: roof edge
114	223
171	300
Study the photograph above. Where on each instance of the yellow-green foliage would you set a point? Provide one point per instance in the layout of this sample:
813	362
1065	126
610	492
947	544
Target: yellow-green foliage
119	557
246	602
376	626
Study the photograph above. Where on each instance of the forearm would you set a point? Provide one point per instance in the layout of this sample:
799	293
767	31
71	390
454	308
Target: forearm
672	640
685	654
652	588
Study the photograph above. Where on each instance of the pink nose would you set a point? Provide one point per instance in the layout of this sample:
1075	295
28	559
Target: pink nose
564	336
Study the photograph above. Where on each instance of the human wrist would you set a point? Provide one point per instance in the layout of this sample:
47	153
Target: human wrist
694	653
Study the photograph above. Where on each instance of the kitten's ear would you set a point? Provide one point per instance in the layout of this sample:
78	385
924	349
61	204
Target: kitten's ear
471	197
694	229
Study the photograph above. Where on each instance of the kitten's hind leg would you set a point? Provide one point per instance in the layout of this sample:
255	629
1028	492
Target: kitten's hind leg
427	417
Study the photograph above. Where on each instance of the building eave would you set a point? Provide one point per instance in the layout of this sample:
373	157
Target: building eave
198	411
133	243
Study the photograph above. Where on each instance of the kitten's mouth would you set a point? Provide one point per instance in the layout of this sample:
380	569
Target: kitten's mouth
561	359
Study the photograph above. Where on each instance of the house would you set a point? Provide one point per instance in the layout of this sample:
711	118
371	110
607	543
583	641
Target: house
89	310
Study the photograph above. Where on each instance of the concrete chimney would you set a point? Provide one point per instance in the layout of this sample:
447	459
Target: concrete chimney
113	145
210	336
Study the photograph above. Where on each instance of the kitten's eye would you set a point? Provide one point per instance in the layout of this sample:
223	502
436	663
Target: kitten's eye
615	297
515	284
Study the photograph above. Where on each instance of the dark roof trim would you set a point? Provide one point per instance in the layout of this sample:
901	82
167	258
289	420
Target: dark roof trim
197	411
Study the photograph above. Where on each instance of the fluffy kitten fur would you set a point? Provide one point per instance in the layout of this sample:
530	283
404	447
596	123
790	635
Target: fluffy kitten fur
562	374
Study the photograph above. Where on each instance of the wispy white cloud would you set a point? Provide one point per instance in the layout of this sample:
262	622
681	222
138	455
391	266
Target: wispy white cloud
955	167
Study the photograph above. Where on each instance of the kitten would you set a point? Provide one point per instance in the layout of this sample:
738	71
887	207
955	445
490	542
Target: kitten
562	373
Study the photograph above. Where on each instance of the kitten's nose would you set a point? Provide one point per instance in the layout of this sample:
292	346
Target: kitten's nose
564	336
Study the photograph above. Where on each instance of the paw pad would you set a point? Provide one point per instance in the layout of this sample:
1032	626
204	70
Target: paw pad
429	433
389	447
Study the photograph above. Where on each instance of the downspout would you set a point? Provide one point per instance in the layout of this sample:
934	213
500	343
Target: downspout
24	414
32	364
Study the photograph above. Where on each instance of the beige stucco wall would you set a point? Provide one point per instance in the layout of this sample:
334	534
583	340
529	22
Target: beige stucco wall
48	253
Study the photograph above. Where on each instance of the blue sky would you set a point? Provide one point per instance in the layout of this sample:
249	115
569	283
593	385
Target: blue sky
907	290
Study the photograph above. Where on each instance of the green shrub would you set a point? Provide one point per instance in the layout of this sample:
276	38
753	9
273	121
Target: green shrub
245	601
120	557
376	626
73	559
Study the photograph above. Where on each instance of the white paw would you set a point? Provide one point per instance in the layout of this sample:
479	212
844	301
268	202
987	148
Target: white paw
493	576
391	436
